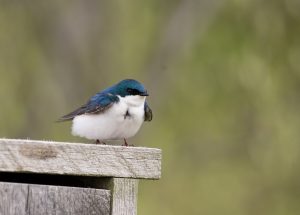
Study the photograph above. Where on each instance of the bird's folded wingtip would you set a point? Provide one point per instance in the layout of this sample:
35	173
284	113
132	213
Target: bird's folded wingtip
63	119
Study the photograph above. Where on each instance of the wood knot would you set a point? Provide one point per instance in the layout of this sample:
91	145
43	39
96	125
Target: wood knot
38	152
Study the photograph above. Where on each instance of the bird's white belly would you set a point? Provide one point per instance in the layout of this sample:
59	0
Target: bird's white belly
110	125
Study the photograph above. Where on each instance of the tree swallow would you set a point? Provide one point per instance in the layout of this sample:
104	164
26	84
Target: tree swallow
112	114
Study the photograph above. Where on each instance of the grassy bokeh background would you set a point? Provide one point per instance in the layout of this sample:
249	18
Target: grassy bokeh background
224	79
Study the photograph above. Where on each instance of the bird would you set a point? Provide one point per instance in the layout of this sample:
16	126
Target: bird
116	113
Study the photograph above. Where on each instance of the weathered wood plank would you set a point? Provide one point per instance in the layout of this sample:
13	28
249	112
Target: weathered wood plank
30	199
79	159
124	192
68	200
13	198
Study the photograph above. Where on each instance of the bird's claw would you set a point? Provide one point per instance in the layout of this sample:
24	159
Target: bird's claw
126	144
100	142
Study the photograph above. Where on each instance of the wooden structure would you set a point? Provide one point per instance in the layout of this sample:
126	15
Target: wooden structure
42	177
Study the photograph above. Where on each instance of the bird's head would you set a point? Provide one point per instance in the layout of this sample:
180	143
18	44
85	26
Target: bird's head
130	87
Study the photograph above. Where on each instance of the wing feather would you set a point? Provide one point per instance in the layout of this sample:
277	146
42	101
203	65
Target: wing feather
148	113
97	104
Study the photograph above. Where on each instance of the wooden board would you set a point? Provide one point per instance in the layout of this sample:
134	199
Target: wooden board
124	192
79	159
30	199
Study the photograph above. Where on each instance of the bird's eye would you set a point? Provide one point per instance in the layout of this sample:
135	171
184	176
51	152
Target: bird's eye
133	91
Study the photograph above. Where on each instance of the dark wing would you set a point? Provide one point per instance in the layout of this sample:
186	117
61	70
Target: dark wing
97	104
148	113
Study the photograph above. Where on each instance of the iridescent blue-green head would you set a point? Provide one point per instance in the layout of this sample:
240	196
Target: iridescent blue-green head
128	87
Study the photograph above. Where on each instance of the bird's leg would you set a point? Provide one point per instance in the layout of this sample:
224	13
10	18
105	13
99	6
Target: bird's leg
100	142
125	142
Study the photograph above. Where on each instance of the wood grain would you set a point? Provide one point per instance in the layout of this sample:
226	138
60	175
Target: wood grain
79	159
124	193
30	199
13	198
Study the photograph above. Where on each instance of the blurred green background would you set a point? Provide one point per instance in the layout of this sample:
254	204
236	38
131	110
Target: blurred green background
224	79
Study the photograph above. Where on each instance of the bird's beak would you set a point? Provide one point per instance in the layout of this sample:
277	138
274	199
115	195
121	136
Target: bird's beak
144	94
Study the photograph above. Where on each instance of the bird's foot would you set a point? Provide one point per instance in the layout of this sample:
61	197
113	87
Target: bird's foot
100	142
126	144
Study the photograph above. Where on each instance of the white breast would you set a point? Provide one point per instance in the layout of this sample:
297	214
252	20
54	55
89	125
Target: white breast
113	124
